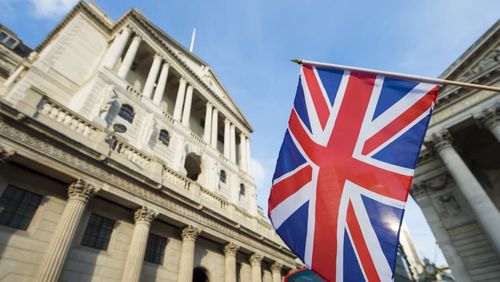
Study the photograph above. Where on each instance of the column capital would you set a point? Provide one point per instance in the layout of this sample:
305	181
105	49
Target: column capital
256	259
137	37
276	267
209	105
231	249
439	141
190	233
5	154
226	120
145	215
490	118
157	56
81	191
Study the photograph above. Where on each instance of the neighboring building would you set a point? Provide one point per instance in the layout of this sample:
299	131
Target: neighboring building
124	158
12	52
457	179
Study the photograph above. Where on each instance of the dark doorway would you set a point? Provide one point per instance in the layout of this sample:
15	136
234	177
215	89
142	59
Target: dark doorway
193	166
200	275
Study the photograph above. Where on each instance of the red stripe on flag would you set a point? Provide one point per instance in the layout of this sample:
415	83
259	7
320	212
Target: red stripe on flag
320	103
401	122
358	239
288	186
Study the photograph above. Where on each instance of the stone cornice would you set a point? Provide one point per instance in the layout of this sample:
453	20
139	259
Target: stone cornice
49	149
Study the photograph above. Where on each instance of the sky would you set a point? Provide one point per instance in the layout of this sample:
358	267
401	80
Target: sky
248	43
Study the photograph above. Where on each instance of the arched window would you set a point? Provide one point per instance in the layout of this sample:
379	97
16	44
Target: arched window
222	176
242	191
164	137
127	113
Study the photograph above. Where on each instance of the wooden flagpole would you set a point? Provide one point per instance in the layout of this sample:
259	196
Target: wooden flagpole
399	75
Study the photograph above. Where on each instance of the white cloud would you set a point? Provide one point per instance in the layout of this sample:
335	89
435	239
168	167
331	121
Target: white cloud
258	173
52	8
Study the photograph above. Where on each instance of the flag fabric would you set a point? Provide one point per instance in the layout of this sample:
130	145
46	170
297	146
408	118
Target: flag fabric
345	168
302	275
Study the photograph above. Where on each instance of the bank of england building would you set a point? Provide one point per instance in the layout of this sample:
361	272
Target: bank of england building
124	158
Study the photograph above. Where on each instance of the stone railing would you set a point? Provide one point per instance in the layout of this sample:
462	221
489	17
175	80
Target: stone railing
67	118
197	139
208	197
133	155
133	91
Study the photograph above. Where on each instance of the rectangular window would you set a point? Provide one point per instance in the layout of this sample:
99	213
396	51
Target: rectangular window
155	249
17	207
98	232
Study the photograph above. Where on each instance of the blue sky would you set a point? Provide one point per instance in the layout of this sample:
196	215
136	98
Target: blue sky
249	45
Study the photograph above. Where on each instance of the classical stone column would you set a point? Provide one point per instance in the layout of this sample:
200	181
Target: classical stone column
162	82
153	74
187	106
232	143
491	120
135	258
14	76
207	130
482	206
52	263
227	138
242	149
443	238
230	251
180	99
276	271
189	235
116	48
129	57
255	261
215	127
248	153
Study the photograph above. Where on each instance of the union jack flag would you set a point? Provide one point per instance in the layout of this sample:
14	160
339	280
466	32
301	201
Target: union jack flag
345	168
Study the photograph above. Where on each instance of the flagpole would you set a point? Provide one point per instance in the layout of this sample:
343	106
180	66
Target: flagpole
399	75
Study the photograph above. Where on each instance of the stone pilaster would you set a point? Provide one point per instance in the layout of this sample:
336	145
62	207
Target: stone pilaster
129	57
162	83
490	118
133	266
189	235
248	157
187	106
255	263
230	251
152	76
180	99
482	206
276	271
52	263
207	130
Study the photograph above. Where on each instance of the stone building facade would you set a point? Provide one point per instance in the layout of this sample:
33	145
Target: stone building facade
457	179
124	158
